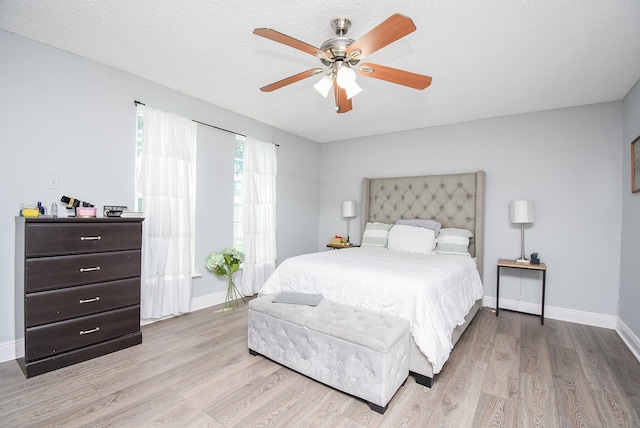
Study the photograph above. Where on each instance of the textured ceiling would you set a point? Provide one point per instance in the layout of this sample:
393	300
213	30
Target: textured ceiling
487	59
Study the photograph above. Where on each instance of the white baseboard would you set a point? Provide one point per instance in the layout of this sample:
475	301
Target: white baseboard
555	313
627	336
7	351
201	302
208	300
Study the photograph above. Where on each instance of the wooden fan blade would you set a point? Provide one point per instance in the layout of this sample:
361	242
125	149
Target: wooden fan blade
394	75
343	105
395	27
270	34
291	79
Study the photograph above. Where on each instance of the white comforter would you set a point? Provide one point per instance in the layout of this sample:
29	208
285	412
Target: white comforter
434	292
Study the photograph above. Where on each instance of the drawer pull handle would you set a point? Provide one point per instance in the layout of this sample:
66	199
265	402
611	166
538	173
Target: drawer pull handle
90	238
93	330
95	299
90	269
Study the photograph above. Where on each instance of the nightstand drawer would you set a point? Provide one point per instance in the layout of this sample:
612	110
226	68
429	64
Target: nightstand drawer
47	239
49	273
52	339
57	305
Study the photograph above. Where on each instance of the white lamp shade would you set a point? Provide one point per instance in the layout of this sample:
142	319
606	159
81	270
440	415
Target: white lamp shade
345	76
521	212
349	209
346	79
352	90
324	85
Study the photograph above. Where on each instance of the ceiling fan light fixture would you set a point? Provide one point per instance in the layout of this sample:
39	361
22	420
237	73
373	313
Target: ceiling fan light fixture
341	56
345	76
352	90
324	85
346	79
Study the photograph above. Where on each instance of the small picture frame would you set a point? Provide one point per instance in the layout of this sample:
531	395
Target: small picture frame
635	165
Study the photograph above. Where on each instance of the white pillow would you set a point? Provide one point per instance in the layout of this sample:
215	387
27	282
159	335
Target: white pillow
453	241
411	239
375	235
427	224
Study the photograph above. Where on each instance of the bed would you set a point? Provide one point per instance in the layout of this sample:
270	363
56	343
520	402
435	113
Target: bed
377	278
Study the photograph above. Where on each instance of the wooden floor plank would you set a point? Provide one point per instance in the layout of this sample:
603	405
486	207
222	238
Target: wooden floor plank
411	406
623	362
480	342
503	371
509	323
574	400
55	405
613	405
460	400
195	371
495	412
536	400
557	333
262	395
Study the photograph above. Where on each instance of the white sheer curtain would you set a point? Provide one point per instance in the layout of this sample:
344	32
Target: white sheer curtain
260	168
166	180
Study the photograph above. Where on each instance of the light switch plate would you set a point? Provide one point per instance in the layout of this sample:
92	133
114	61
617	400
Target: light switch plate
53	181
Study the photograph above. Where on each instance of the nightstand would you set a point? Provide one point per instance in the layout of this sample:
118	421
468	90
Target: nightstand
340	246
515	265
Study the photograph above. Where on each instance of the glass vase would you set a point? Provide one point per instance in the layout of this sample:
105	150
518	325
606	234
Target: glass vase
233	295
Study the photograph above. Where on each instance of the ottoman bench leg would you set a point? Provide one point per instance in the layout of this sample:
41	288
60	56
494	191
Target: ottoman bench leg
377	408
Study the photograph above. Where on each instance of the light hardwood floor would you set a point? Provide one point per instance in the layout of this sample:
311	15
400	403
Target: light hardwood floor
195	371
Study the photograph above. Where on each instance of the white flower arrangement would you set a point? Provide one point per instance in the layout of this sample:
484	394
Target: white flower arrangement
226	263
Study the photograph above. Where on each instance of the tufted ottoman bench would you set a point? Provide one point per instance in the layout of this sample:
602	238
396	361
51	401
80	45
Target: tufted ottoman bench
355	350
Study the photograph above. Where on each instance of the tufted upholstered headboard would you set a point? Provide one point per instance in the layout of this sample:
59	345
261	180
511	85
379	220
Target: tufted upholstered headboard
454	200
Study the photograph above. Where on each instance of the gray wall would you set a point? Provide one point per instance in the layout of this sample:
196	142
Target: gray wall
61	114
630	268
568	161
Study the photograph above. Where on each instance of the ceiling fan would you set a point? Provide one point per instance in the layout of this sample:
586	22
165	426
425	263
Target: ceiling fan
341	56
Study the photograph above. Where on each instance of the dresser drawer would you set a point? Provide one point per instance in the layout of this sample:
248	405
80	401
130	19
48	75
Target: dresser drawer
46	239
49	273
52	339
57	305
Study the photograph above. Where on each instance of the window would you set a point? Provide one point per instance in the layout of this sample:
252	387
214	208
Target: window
237	193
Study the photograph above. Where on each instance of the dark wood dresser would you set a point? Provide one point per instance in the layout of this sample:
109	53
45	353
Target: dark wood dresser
77	289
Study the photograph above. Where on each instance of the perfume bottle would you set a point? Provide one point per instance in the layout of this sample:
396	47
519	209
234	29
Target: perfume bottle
54	210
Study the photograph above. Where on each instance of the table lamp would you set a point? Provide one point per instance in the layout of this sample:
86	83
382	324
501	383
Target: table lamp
348	212
522	212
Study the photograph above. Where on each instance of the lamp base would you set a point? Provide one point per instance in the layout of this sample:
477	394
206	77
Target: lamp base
523	260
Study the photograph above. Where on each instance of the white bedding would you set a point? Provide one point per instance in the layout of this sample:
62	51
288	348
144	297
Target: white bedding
434	292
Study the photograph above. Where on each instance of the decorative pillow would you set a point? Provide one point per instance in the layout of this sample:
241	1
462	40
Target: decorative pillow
453	241
411	239
427	224
375	235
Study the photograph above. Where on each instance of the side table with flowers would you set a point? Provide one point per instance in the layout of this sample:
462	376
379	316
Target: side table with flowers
226	263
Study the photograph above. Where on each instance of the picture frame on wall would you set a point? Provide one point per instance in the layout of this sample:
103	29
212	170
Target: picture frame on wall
635	165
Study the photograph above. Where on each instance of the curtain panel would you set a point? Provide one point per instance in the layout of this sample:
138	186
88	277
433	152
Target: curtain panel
260	169
166	180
